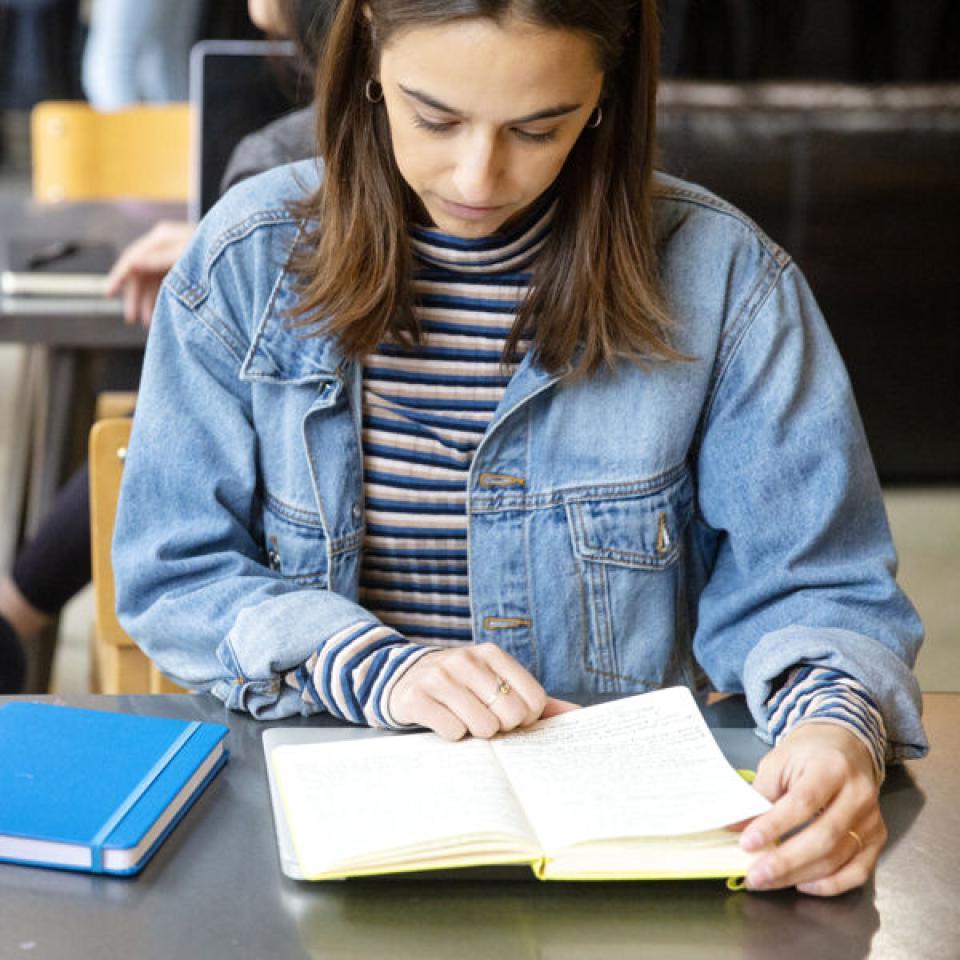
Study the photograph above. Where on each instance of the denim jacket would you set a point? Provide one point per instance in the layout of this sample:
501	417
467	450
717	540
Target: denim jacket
625	531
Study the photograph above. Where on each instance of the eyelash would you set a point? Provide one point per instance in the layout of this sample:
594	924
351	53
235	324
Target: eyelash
440	128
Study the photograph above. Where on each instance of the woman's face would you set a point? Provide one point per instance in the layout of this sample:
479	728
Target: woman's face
483	115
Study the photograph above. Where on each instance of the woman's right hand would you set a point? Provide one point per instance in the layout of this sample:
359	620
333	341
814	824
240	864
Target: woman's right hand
477	690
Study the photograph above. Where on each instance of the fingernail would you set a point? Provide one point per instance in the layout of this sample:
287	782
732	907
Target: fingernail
811	888
759	877
752	839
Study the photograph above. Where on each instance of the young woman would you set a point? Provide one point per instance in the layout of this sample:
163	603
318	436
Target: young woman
485	412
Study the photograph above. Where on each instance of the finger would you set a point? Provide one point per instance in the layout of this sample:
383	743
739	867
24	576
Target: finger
128	262
451	692
847	853
426	712
448	679
521	681
800	804
120	272
148	300
854	873
820	850
770	779
507	709
155	252
131	300
555	707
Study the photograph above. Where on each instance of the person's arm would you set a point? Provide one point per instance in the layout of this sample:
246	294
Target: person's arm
194	582
195	586
803	573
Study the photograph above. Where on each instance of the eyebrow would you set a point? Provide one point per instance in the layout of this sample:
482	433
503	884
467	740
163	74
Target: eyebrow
549	114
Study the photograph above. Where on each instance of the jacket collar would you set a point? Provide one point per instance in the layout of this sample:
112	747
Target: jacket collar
281	353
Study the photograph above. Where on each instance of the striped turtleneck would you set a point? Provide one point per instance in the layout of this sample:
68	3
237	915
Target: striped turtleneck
424	414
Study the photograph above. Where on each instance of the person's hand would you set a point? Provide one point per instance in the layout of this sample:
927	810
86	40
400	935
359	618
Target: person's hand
141	267
480	690
820	775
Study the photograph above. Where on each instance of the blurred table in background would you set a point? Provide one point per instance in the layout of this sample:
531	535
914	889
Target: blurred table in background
63	334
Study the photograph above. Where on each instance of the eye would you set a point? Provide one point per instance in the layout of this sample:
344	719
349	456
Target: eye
432	125
531	137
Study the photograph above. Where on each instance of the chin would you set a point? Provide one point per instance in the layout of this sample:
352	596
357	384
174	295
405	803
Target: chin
468	229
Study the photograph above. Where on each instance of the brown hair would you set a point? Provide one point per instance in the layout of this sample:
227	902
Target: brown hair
596	280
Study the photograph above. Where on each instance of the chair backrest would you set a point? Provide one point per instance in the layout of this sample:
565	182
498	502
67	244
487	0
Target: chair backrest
120	666
83	154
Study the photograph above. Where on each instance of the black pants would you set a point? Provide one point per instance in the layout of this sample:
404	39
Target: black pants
55	564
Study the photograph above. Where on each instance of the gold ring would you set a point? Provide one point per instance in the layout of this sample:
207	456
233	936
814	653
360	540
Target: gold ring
856	836
503	688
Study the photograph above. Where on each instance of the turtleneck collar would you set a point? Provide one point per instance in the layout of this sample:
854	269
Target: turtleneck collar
507	252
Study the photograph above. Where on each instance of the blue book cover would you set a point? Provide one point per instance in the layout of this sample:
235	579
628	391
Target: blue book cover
97	791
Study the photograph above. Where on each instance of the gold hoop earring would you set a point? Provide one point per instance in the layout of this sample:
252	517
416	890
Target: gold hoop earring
596	118
373	91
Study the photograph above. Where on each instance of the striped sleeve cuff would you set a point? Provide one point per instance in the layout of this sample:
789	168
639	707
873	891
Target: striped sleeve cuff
829	696
353	674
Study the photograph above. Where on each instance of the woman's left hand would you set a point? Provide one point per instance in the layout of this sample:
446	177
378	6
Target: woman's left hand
820	775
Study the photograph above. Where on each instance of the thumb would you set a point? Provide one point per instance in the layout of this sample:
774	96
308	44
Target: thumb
769	780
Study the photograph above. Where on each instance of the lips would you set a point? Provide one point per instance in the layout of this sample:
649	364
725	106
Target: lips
466	212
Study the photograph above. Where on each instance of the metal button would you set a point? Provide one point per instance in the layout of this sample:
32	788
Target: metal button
357	512
494	480
273	554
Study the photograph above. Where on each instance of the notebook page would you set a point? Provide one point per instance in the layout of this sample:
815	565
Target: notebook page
643	766
366	800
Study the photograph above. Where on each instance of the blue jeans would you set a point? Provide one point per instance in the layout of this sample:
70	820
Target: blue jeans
139	50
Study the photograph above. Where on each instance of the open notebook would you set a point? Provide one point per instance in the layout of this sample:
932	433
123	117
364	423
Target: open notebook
740	746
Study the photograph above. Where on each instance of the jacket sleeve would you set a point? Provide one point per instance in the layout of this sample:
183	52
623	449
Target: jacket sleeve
194	584
794	530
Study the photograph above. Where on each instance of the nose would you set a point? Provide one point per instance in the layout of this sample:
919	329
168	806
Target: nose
478	170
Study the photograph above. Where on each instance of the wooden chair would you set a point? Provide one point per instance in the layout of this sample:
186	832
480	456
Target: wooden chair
113	404
83	154
119	665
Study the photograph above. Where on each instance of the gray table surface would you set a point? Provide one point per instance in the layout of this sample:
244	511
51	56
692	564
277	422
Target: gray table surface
215	889
77	322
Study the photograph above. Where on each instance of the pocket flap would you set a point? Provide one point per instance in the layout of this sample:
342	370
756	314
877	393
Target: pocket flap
633	531
295	545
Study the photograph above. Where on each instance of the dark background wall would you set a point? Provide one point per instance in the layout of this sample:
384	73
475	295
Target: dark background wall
807	114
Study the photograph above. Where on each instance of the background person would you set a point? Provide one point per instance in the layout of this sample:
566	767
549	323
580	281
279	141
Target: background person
139	51
54	565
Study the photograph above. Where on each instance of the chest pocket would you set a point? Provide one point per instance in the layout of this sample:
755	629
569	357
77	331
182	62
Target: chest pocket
295	543
626	551
641	532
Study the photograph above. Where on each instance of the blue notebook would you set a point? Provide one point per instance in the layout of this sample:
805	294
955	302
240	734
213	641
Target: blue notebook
96	791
